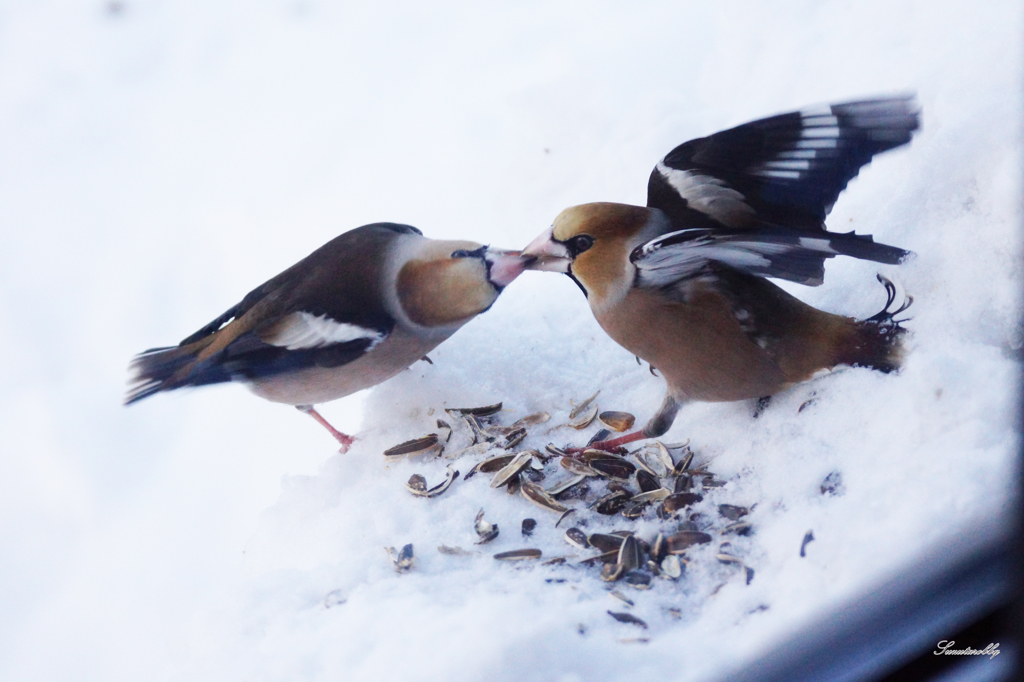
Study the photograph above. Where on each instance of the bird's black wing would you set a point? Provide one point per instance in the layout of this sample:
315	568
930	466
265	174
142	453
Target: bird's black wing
783	253
784	170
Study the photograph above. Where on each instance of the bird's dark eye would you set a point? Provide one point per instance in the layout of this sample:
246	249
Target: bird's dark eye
579	244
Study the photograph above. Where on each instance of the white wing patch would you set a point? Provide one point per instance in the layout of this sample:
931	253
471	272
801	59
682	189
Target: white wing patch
302	330
709	195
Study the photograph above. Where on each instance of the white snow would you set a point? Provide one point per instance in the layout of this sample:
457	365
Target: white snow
161	159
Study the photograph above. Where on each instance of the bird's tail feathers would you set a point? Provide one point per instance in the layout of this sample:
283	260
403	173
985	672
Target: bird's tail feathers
165	369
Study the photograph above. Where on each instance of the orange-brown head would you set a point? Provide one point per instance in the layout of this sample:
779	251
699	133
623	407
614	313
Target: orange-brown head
592	242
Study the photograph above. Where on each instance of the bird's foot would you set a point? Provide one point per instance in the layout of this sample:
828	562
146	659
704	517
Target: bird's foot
343	438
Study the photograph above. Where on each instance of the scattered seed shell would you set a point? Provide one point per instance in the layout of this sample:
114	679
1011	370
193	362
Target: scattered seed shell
621	597
574	466
646	481
518	555
677	501
578	409
612	571
442	424
627	618
577	538
732	512
671	566
484	411
518	463
641	580
683	464
528	526
652	496
630	555
617	421
684	539
612	503
565	484
417	485
514	438
531	420
453	551
583	420
402	560
605	542
602	558
534	493
808	537
417	446
740	528
564	516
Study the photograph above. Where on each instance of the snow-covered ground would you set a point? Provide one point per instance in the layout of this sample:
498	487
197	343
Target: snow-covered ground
160	159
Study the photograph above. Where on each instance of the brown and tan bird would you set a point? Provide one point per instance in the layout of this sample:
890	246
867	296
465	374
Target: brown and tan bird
682	282
352	314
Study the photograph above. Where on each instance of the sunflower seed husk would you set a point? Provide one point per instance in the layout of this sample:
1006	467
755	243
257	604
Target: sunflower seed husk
531	420
808	537
710	482
565	515
612	503
633	510
493	464
574	466
484	529
730	559
518	554
601	435
608	465
518	463
646	481
565	484
605	542
659	548
485	411
577	538
534	493
417	485
684	539
621	597
578	409
671	566
514	484
683	483
514	438
402	560
554	451
627	618
453	551
480	434
417	446
677	501
603	558
683	464
641	580
630	555
833	484
617	421
528	526
612	572
655	459
555	561
442	424
583	420
651	496
740	528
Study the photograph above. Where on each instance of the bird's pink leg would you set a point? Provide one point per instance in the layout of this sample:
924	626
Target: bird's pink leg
345	440
611	445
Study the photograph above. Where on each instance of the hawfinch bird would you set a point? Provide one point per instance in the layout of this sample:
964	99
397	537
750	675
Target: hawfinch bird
682	283
353	313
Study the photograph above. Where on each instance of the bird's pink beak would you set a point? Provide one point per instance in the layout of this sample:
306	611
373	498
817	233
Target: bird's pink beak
505	266
547	254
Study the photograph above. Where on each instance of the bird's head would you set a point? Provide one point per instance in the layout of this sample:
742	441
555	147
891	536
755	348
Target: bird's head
449	282
591	243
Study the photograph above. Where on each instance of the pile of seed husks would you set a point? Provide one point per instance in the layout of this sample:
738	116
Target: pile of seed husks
654	482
